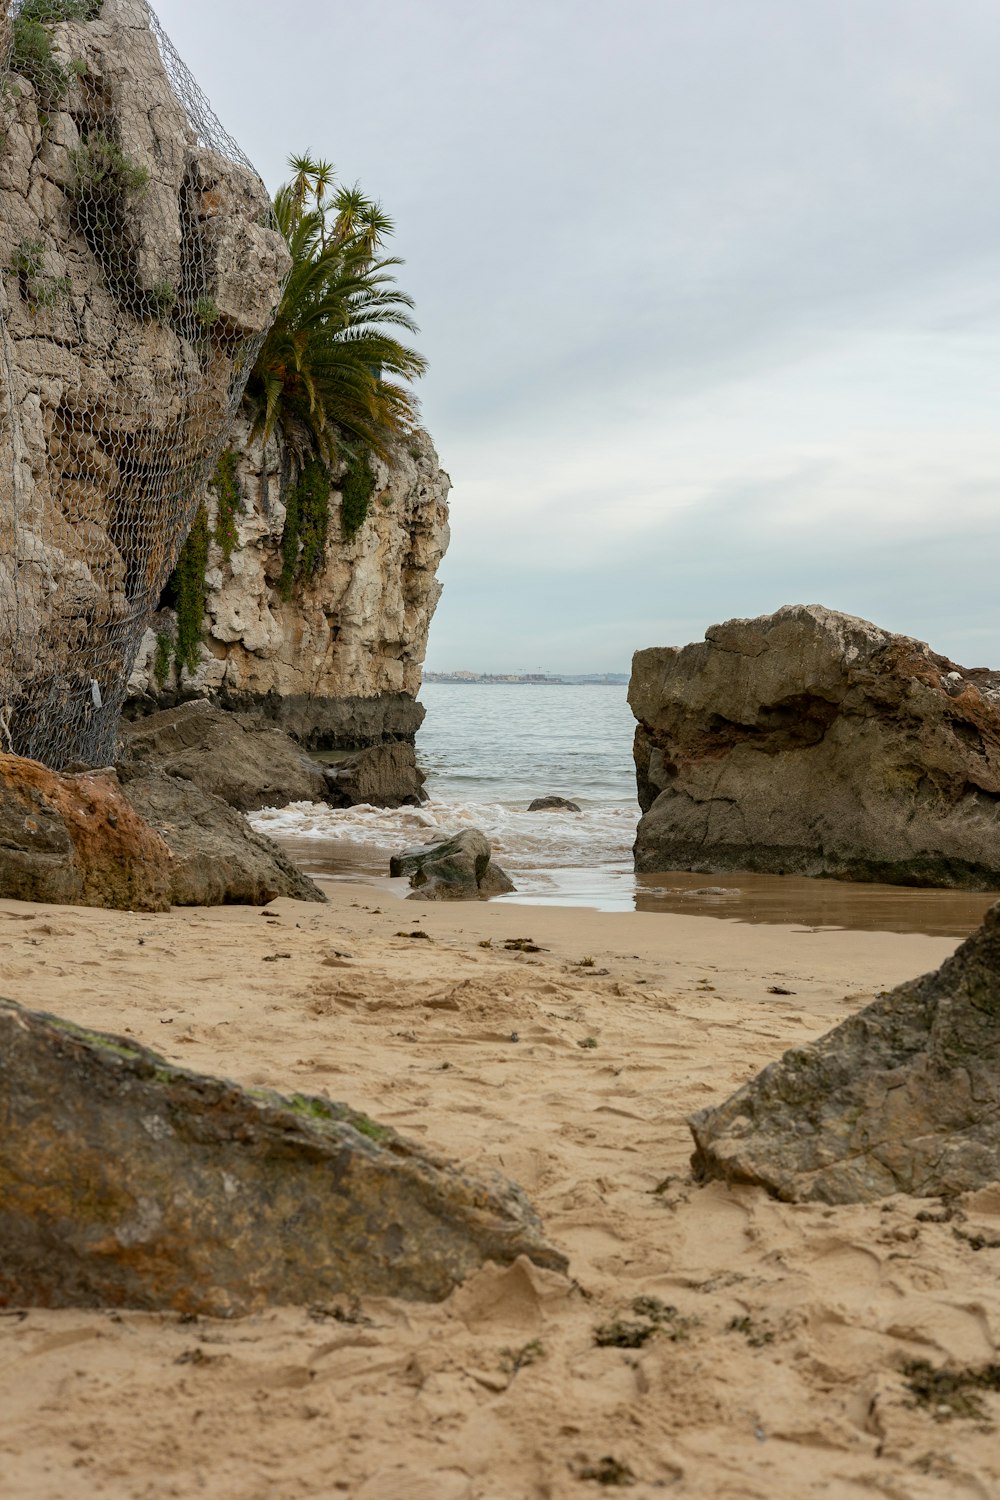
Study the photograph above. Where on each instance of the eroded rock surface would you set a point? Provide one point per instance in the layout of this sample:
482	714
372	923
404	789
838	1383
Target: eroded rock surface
128	1182
459	868
813	743
217	858
76	840
903	1097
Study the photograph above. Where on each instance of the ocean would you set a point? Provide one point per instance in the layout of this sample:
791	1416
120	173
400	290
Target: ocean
488	749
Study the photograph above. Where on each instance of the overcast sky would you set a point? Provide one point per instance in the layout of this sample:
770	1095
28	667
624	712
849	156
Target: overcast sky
710	291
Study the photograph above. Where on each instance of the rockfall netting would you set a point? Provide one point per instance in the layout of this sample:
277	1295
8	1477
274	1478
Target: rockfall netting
139	270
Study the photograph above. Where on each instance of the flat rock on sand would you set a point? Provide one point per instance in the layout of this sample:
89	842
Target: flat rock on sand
903	1097
128	1182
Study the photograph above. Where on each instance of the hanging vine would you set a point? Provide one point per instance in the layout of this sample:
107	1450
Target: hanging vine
307	523
189	590
229	502
356	488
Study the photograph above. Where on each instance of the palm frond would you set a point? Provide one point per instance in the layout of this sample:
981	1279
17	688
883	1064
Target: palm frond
331	364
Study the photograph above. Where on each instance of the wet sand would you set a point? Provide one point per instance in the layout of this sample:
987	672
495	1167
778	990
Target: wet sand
789	900
777	1374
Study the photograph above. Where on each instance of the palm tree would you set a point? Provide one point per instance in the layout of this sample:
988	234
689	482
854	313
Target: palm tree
331	371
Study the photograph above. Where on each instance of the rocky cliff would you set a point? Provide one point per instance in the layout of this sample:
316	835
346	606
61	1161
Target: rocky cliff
813	743
139	267
336	659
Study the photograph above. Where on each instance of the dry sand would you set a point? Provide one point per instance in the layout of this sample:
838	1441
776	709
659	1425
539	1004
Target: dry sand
780	1374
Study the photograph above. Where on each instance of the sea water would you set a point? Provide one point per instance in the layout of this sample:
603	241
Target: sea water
489	749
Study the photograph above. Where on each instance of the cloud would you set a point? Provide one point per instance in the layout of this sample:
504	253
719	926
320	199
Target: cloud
711	295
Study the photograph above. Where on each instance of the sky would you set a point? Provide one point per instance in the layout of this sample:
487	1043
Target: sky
710	294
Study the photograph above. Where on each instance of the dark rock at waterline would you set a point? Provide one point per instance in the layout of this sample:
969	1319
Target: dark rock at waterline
380	776
459	868
129	1182
75	839
247	763
552	804
812	743
217	858
901	1098
323	723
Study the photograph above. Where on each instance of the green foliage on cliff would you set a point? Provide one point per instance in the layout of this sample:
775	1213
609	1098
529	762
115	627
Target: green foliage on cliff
163	657
307	522
331	370
50	11
39	290
105	187
356	488
32	55
229	501
189	590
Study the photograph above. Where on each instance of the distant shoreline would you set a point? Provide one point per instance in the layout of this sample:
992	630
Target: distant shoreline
596	679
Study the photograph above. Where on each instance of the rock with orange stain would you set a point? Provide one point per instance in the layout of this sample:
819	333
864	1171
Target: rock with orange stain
74	839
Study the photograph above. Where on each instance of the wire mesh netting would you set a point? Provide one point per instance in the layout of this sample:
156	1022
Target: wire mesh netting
139	270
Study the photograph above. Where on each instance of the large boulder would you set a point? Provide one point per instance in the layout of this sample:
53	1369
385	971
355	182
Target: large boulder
247	763
813	743
217	858
74	839
553	804
129	1182
901	1098
379	776
459	868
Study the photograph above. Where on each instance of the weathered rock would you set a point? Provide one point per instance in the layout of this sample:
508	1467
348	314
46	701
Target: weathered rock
902	1097
552	804
247	764
454	869
218	859
813	743
381	776
76	840
337	665
128	1182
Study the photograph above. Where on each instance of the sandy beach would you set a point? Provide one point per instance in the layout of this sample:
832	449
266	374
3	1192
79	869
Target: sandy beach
776	1370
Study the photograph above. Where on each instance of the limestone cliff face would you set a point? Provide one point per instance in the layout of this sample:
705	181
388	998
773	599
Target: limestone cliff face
338	663
138	266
